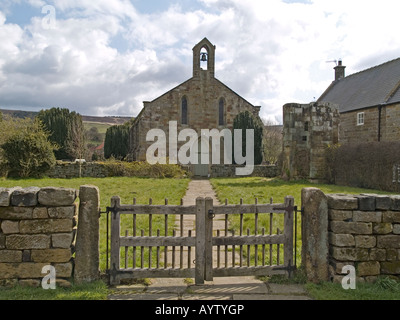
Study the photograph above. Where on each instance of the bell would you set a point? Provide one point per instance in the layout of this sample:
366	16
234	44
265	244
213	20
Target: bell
203	57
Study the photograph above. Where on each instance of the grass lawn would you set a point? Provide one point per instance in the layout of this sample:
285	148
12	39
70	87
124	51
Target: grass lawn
126	187
91	291
232	189
384	289
248	189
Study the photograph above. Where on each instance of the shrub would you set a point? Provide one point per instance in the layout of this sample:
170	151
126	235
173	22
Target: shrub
28	153
118	168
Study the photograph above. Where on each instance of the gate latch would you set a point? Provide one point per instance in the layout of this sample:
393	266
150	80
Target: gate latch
211	214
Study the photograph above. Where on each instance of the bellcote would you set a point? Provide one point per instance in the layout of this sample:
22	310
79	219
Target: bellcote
204	58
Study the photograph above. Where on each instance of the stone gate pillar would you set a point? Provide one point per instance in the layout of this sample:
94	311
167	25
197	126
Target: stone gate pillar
314	229
87	239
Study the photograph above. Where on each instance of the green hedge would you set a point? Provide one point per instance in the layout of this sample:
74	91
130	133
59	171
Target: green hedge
143	169
365	165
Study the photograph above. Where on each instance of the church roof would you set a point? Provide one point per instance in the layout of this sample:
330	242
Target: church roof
376	86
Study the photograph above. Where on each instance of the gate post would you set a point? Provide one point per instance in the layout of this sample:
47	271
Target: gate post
314	234
115	236
288	230
200	240
209	216
87	239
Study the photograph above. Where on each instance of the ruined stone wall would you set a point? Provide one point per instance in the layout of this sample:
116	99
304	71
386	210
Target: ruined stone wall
307	130
37	229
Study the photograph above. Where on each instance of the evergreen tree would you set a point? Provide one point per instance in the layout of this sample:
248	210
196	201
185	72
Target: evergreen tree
245	120
116	143
66	131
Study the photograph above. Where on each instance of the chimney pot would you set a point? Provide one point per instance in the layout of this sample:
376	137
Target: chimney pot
339	71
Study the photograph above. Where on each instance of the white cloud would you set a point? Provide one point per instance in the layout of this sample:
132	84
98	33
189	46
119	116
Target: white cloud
270	52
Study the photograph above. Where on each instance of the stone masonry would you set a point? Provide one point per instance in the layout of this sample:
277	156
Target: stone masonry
364	231
37	228
203	94
350	230
307	131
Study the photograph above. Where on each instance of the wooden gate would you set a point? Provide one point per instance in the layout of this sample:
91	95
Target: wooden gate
243	246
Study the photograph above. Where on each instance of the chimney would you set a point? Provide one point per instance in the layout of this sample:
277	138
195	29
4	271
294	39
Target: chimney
339	71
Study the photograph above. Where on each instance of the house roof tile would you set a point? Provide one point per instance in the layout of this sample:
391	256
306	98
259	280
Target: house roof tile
372	87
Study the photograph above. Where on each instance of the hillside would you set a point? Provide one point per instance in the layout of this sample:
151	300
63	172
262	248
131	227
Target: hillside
92	119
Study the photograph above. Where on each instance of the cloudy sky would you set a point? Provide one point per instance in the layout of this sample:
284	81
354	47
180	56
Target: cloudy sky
105	57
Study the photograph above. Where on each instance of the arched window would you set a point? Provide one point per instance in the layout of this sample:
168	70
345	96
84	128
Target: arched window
184	111
221	112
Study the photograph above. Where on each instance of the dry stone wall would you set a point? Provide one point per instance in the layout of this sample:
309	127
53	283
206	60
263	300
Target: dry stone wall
364	231
341	230
37	229
64	170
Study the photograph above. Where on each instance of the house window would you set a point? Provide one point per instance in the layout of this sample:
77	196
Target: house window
360	118
221	112
306	126
184	113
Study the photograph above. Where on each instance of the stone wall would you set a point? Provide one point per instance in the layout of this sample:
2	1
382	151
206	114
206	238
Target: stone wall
64	170
37	229
389	128
351	132
364	231
307	130
203	93
391	131
357	230
218	171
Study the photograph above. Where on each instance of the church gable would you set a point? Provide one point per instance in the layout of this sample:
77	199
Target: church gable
202	102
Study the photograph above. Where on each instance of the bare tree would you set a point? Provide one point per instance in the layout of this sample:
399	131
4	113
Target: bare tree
76	144
273	136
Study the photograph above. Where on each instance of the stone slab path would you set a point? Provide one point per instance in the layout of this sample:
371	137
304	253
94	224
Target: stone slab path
227	288
232	288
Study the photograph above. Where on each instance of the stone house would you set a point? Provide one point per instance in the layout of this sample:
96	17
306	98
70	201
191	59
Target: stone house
202	102
368	102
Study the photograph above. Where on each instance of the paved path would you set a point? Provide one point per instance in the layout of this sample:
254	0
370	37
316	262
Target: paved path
235	288
229	288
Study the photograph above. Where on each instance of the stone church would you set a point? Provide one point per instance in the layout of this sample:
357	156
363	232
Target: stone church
202	102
